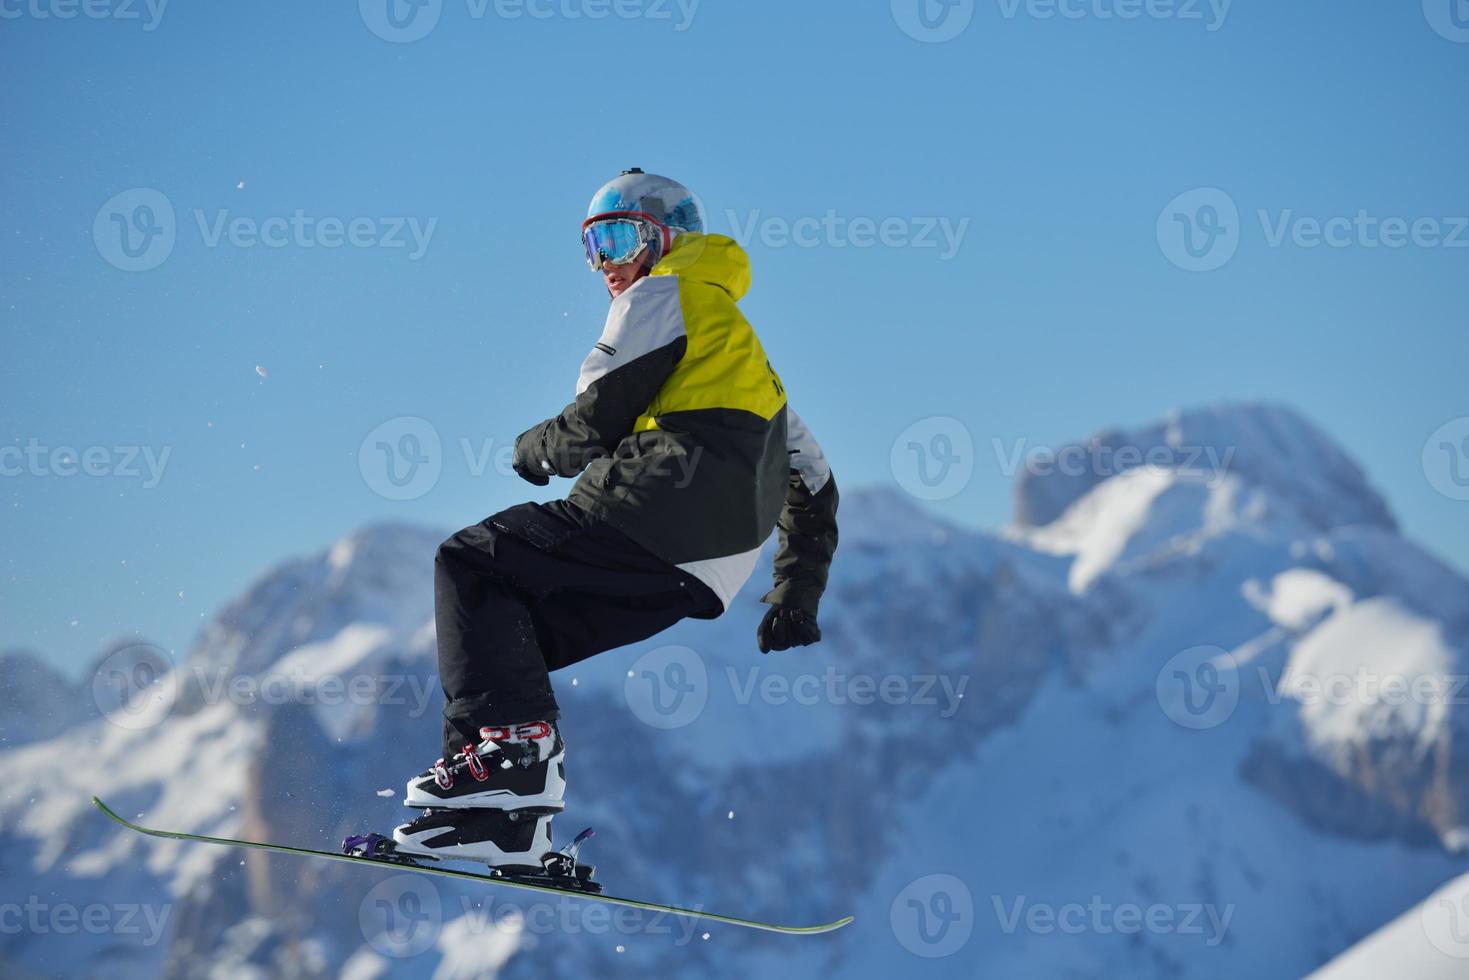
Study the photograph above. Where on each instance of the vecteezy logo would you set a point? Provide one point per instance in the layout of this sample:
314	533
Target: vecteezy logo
667	687
1449	17
1199	688
401	916
1445	919
933	459
135	230
135	687
1446	459
933	916
933	21
1199	231
400	21
402	458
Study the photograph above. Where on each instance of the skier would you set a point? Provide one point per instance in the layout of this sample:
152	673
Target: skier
688	457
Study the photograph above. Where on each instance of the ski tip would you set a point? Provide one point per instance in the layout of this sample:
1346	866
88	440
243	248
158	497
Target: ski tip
834	926
99	804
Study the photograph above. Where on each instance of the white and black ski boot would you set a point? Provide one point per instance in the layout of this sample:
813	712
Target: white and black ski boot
510	841
492	803
512	768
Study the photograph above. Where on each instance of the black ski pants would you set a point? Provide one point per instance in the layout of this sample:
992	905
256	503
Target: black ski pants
535	588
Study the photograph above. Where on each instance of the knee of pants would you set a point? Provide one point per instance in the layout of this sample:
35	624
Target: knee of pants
455	542
459	545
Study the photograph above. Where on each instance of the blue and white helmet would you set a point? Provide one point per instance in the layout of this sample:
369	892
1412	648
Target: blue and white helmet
663	199
638	214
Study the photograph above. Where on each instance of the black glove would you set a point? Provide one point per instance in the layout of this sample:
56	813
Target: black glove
784	627
527	469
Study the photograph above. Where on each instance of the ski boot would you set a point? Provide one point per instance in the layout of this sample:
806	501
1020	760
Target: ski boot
491	803
512	768
513	839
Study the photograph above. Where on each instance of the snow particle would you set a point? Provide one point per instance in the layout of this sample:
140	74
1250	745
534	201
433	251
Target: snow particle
386	792
621	948
706	937
731	814
260	370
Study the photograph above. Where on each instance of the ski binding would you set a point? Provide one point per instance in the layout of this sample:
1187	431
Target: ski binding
559	869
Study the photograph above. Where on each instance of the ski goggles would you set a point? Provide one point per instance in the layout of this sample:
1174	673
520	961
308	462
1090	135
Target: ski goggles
619	237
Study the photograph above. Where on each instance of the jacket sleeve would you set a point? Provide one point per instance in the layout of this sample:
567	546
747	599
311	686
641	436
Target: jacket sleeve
642	343
807	524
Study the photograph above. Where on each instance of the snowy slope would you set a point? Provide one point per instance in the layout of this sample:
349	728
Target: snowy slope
994	759
1269	446
1428	942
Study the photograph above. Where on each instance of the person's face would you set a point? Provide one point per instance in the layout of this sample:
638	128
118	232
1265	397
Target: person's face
620	277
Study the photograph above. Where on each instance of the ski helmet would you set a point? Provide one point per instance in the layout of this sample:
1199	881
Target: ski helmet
636	211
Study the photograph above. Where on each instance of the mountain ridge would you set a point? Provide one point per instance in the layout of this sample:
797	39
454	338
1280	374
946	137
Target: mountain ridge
1044	686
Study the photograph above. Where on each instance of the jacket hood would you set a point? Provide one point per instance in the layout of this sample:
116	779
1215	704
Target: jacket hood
716	259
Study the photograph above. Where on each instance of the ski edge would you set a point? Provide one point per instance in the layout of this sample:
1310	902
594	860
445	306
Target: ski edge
471	876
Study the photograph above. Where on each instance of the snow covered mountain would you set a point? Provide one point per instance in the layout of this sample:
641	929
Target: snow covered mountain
35	701
1196	713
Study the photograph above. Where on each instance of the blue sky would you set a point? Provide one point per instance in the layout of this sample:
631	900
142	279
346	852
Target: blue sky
1053	143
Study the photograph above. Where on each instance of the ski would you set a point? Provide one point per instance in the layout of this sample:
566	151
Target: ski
571	892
